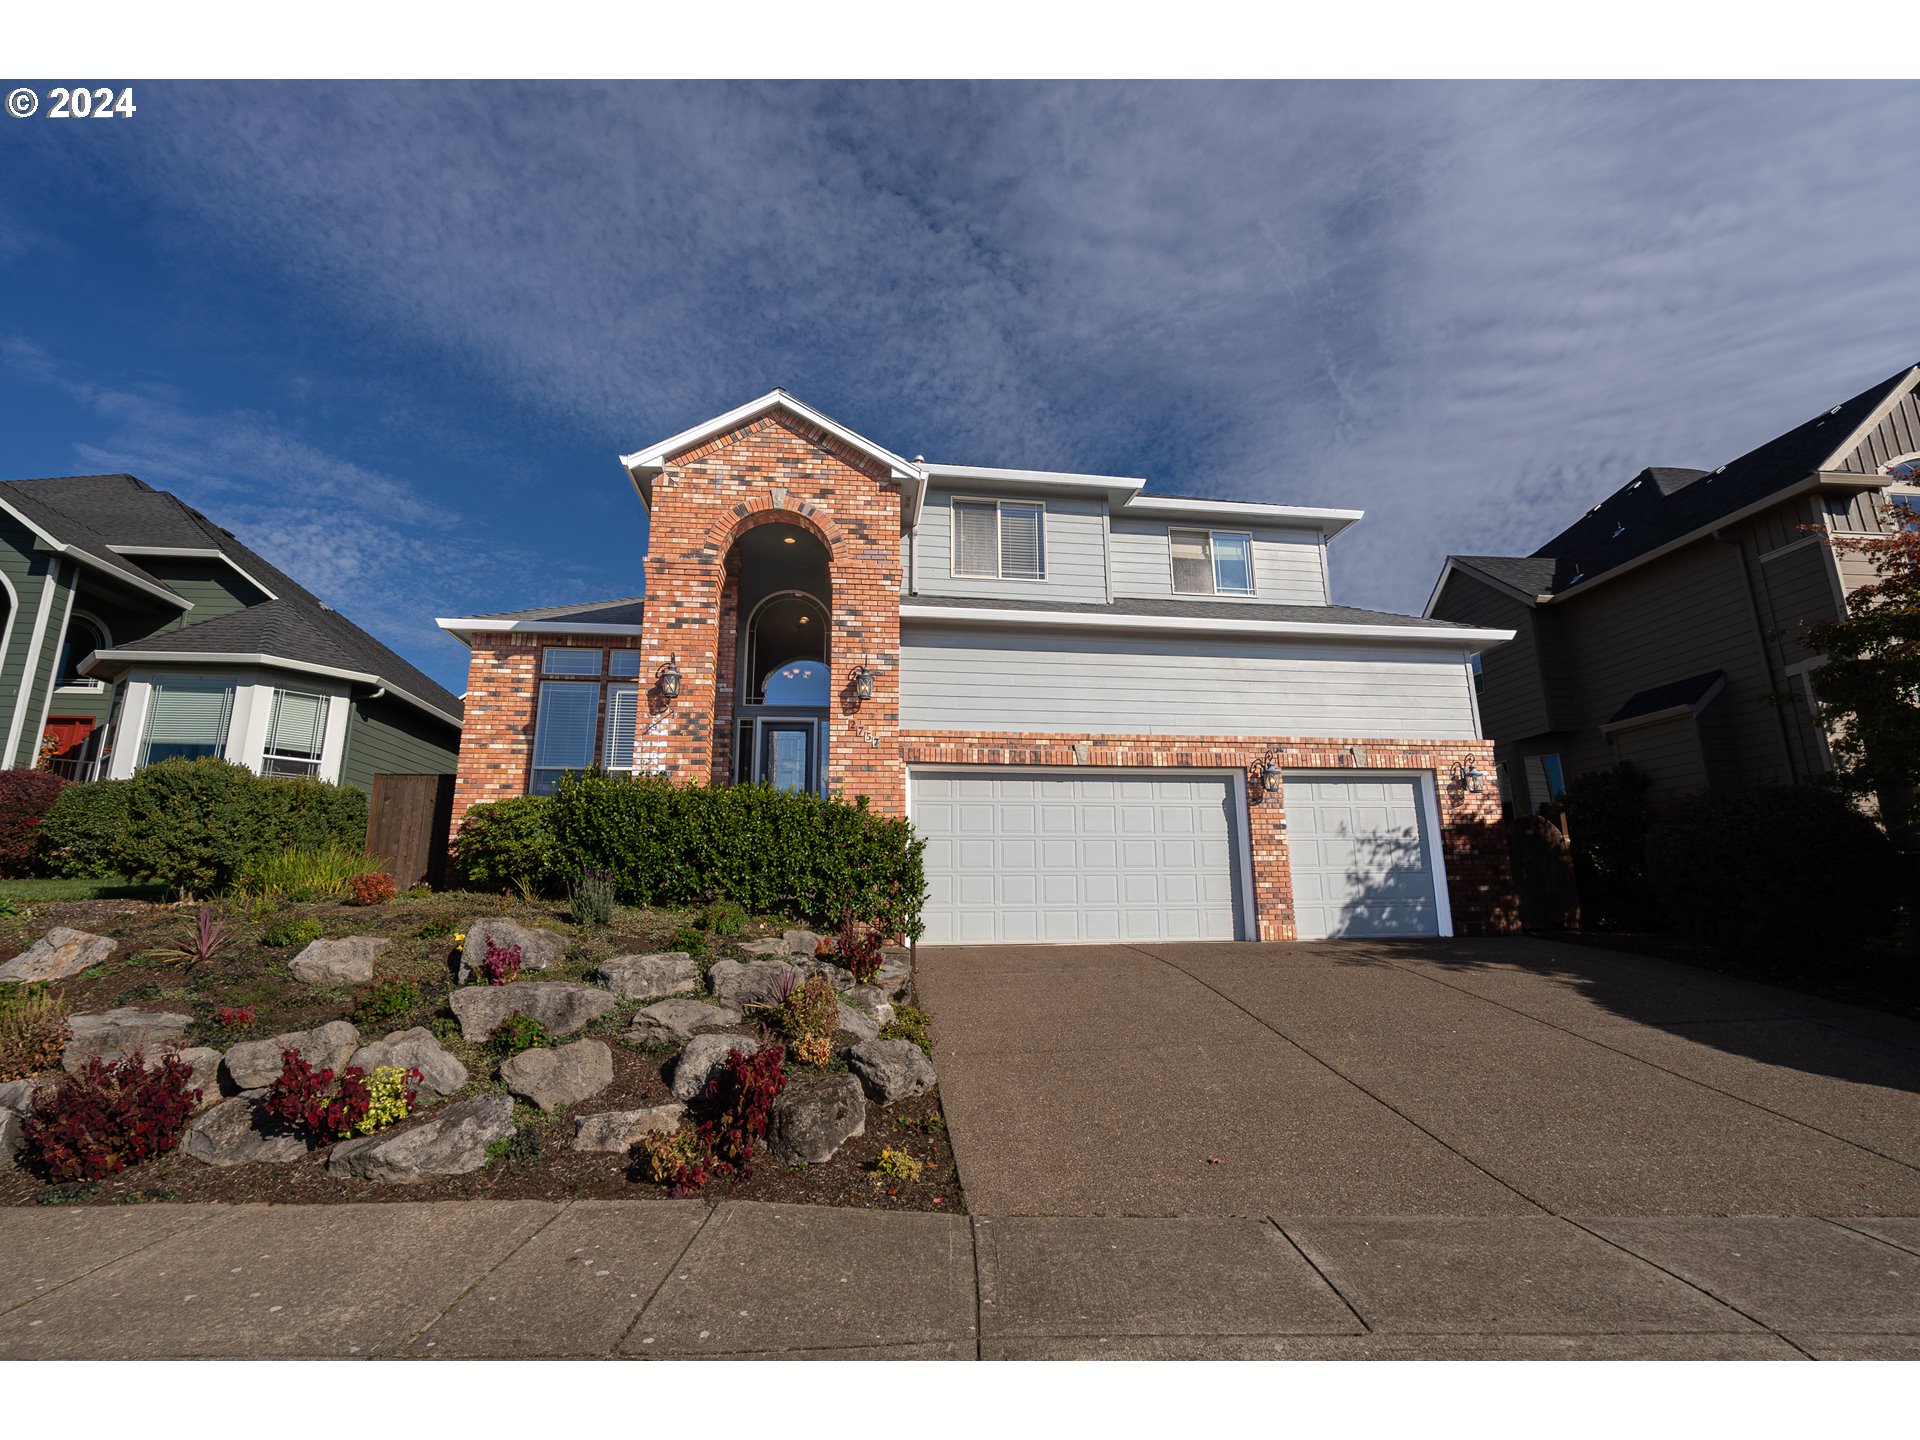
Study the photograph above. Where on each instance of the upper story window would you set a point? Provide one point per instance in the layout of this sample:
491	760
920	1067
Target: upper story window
84	636
1211	562
588	718
187	719
1000	539
296	734
1903	496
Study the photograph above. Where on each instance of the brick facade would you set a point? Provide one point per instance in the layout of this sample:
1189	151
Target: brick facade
1479	881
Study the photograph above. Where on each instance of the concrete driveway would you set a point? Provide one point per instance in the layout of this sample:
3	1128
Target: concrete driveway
1411	1078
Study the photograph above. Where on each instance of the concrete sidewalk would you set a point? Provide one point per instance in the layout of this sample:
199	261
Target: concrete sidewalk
666	1279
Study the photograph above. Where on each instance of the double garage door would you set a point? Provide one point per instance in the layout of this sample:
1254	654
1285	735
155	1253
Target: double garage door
1161	855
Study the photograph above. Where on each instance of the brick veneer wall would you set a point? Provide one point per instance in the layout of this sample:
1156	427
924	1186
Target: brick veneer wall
774	469
1479	877
503	688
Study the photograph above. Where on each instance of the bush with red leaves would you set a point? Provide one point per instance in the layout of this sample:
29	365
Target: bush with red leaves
316	1104
499	965
859	949
739	1097
373	888
100	1120
233	1017
25	798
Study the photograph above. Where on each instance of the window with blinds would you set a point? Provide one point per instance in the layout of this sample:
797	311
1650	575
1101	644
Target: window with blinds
187	719
1000	540
565	732
296	734
568	660
623	711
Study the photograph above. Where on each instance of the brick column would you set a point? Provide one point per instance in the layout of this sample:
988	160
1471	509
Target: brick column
496	740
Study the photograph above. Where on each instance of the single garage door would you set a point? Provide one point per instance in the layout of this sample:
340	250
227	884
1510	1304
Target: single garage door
1361	863
1014	857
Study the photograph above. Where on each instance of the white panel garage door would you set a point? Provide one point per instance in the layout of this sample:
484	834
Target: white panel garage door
1361	863
1012	857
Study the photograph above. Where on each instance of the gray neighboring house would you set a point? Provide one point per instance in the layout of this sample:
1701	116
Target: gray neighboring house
1667	625
133	628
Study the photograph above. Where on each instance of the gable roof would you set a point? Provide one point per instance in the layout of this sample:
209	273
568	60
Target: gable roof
589	617
99	515
1687	694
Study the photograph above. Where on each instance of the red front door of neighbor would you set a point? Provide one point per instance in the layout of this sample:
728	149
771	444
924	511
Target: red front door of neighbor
69	736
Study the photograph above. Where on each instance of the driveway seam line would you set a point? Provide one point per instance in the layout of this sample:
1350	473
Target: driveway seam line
401	1351
1325	1279
1656	1065
666	1275
207	1224
1338	1073
979	1290
1841	1223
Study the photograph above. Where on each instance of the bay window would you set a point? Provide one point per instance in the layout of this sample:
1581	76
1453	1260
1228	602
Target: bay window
296	734
187	719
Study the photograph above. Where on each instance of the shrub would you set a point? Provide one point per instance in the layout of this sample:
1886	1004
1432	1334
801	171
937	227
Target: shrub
506	845
665	844
390	1097
522	1147
327	872
26	796
501	963
723	917
195	825
517	1033
813	1050
438	926
858	948
373	888
739	1097
1607	819
808	1010
316	1103
909	1023
84	833
106	1117
301	930
1757	870
386	999
33	1030
590	898
672	1159
686	938
898	1165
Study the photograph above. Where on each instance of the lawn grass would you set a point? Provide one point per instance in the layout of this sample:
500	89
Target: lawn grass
42	892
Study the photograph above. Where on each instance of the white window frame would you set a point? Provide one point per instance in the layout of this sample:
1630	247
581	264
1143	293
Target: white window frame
82	686
999	553
603	683
248	729
1213	563
318	760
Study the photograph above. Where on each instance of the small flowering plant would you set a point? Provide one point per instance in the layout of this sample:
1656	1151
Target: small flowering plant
501	963
390	1097
324	1107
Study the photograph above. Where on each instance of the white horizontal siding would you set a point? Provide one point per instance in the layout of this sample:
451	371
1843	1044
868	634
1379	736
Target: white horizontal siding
1087	682
1289	566
1076	555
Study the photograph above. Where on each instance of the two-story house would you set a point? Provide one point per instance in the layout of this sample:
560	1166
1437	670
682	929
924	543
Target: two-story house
1667	626
1112	715
133	628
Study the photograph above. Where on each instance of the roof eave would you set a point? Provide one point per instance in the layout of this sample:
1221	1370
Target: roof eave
480	624
94	562
1452	635
1474	572
1329	521
115	661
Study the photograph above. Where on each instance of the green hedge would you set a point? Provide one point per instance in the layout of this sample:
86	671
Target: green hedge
84	834
769	850
194	824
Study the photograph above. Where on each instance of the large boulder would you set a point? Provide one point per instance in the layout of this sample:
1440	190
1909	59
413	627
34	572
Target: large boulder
255	1064
857	1023
873	1000
453	1142
17	1095
57	955
615	1132
740	983
204	1062
673	1022
563	1076
338	962
814	1117
238	1131
12	1124
115	1034
896	970
703	1055
539	949
415	1049
892	1069
648	977
561	1005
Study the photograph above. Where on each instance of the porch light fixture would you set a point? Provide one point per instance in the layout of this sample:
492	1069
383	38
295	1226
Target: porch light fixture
1468	776
863	684
1269	775
670	679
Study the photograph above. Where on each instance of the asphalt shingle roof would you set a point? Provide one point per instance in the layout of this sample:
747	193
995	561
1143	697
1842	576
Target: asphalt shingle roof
625	611
1665	697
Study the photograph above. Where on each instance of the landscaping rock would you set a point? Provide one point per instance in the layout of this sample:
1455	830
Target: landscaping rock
12	1136
892	1069
896	970
673	1022
256	1064
453	1142
115	1034
874	1000
647	977
240	1132
703	1055
771	945
837	976
856	1023
615	1132
564	1076
741	983
813	1118
204	1061
539	949
17	1095
417	1049
338	962
58	954
561	1005
800	942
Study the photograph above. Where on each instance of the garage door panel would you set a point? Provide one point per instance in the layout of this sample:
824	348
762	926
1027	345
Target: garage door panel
1078	859
1359	858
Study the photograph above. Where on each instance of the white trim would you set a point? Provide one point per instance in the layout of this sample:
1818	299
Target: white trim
6	634
1231	625
1213	566
1427	792
89	686
481	625
1331	522
92	561
30	670
194	553
999	555
1804	667
271	662
1059	479
53	675
1879	412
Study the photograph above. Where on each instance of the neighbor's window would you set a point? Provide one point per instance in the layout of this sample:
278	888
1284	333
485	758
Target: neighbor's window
1000	539
84	636
587	719
187	719
1211	562
296	734
1545	782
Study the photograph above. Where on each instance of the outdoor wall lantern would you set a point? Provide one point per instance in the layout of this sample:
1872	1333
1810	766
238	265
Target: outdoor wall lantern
1269	775
863	684
1468	776
670	679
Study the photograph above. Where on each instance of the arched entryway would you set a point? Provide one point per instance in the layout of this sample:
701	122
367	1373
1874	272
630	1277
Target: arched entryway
782	658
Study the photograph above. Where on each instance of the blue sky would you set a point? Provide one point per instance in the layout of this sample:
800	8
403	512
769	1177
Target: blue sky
395	335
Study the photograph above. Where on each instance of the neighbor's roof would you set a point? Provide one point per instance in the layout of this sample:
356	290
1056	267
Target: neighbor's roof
1222	615
1674	695
103	515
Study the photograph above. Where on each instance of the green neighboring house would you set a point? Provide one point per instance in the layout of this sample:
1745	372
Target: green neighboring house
133	628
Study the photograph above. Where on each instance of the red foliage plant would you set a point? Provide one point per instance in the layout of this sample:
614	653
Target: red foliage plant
233	1017
313	1103
374	888
739	1097
859	949
499	965
104	1118
25	798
